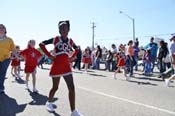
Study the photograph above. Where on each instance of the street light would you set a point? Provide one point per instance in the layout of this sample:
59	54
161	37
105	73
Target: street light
133	23
93	27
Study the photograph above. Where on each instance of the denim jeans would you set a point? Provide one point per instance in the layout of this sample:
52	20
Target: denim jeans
153	60
147	69
108	65
136	59
97	63
129	65
167	65
162	66
3	70
114	65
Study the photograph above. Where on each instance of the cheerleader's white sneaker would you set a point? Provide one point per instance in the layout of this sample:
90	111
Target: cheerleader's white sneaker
167	82
35	90
76	113
50	107
128	78
27	87
85	72
114	76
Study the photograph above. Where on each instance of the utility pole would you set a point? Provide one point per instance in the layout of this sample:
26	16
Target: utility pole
93	27
133	21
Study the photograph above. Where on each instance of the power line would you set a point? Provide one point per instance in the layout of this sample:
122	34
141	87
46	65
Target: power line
115	38
157	35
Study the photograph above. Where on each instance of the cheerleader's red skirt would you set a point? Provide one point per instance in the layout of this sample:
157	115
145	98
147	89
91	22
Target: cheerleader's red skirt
30	69
15	62
121	62
61	66
87	60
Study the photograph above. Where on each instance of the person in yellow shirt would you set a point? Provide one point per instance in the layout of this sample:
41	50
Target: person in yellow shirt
6	46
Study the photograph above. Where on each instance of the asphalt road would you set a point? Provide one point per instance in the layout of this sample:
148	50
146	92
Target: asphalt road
97	94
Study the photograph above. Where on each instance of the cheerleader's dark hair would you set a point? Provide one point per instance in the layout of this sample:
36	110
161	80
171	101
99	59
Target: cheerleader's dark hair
66	22
1	25
130	41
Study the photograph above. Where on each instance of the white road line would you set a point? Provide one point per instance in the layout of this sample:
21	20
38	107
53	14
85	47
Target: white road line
129	101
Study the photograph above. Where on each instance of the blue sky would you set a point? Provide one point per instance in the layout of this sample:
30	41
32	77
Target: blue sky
38	19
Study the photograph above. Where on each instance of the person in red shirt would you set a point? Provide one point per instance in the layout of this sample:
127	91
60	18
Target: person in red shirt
61	64
15	62
31	57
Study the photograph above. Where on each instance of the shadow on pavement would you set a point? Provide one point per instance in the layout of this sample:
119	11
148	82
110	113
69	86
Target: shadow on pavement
20	81
96	75
172	86
147	78
80	72
90	71
143	83
38	99
45	68
9	106
92	74
55	114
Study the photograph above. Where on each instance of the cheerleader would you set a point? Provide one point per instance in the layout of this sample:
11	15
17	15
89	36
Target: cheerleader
121	61
61	65
31	57
86	58
15	63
